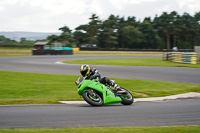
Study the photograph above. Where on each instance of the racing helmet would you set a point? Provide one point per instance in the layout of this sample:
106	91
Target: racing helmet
85	70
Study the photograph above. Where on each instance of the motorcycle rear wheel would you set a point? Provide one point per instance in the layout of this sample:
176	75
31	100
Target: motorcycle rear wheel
93	100
127	99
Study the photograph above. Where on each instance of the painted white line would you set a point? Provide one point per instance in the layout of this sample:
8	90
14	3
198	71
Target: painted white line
59	62
73	102
172	97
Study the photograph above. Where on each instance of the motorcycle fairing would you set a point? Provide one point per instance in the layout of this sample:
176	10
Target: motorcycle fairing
108	96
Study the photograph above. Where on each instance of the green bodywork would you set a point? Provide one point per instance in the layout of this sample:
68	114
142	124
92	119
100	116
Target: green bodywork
108	96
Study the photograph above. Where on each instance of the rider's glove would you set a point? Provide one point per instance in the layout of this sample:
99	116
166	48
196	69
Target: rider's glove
91	77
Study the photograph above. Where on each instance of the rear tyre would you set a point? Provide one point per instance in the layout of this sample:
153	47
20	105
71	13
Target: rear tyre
94	100
127	99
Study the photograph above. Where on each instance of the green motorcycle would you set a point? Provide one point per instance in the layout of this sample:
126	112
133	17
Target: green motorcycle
97	94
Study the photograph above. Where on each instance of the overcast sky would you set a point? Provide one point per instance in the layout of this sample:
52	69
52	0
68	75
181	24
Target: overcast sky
50	15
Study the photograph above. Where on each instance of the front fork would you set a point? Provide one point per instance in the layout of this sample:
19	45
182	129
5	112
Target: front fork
91	92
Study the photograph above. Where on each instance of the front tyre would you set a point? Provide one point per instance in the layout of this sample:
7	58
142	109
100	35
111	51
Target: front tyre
94	100
127	99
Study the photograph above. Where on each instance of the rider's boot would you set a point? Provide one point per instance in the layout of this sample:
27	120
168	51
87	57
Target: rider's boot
116	86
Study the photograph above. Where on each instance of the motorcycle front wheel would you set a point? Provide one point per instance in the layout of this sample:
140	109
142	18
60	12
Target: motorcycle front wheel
94	100
127	99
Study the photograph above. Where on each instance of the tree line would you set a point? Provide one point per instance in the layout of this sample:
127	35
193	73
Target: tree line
162	32
7	42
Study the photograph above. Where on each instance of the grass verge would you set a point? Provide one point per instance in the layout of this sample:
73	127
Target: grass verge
32	88
132	62
11	52
139	53
170	129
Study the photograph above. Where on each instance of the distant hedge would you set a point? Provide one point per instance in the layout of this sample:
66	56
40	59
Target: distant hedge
17	45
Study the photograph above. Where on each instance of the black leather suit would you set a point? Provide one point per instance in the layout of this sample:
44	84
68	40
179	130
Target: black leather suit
95	74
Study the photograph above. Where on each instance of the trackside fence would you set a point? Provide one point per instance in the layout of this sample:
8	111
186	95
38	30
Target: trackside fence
181	57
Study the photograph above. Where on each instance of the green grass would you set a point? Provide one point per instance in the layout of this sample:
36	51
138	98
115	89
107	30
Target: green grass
32	88
147	53
170	129
12	51
132	62
14	55
15	49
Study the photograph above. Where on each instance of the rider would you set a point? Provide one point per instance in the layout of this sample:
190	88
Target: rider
93	73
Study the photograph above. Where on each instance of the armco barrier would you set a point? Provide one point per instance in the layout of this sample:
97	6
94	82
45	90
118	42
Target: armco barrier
177	57
194	58
186	58
128	49
189	58
181	57
165	56
197	50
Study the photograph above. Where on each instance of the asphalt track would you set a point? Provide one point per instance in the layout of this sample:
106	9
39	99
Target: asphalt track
46	64
179	112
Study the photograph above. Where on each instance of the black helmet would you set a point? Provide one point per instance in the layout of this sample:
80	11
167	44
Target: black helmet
85	70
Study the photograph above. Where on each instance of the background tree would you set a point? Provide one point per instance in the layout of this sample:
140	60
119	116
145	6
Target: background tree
52	38
162	32
131	37
164	26
197	27
108	34
66	37
65	29
93	29
150	38
24	41
81	35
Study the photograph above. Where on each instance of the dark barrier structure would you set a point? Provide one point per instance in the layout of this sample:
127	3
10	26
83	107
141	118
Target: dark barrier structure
125	49
52	52
40	48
